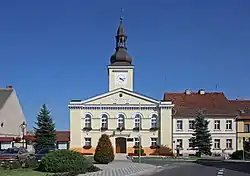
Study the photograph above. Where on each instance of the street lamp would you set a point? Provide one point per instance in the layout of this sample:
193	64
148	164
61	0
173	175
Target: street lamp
23	127
139	154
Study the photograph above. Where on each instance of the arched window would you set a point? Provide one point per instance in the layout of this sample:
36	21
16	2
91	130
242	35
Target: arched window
154	121
137	121
104	121
121	121
87	120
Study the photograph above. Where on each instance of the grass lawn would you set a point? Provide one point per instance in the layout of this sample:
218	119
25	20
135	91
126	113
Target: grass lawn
21	172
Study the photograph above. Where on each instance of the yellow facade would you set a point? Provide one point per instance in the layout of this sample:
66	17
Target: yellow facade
241	134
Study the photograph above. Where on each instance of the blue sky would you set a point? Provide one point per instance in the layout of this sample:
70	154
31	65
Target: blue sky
55	51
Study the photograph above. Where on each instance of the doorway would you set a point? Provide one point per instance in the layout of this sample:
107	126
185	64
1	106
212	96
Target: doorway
121	145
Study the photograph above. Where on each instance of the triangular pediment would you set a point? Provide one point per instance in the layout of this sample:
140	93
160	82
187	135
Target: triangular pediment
120	96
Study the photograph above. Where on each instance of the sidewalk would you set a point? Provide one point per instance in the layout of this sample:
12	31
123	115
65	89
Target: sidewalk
124	168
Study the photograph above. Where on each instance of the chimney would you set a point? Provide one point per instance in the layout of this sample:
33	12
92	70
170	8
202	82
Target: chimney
187	92
201	91
9	87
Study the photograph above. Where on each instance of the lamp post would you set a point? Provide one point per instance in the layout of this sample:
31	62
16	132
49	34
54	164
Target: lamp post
139	154
23	127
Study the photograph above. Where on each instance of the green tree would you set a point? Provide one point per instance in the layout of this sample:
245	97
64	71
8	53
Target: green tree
201	140
104	152
45	132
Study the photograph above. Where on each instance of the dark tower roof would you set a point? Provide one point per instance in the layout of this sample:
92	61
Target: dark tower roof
121	57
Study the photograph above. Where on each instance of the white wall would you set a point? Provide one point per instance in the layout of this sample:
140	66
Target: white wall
185	134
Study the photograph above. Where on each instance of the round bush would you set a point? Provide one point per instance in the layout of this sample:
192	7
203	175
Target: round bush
64	161
239	155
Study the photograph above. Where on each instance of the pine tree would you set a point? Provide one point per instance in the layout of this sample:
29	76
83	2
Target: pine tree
104	152
201	139
45	132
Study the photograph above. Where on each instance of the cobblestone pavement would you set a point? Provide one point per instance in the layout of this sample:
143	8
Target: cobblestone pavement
124	168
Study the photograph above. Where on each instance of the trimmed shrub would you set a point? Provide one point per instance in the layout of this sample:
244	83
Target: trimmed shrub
104	152
61	161
239	155
137	151
163	151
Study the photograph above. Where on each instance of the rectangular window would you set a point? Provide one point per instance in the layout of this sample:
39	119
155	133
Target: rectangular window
246	127
87	141
104	123
179	124
229	144
217	125
137	141
5	145
191	124
229	124
216	143
153	141
190	143
179	143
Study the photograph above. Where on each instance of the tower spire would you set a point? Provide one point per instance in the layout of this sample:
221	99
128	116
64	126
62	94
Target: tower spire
121	57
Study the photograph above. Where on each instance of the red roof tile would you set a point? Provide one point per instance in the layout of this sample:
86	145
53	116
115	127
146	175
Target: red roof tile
6	139
243	108
213	103
62	136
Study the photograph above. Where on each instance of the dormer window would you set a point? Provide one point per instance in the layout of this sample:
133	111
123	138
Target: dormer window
1	124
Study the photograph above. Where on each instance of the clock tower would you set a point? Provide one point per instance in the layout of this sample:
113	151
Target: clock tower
121	70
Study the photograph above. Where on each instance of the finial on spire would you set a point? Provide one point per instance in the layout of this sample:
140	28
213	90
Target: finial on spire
121	16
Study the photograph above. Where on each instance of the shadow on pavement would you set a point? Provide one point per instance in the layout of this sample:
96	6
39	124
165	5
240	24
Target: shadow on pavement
236	166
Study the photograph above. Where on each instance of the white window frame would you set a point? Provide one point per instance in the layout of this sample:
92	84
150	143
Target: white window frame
87	120
229	124
104	120
179	126
216	124
137	120
191	124
5	145
217	144
136	141
121	120
154	121
179	143
87	141
229	143
154	141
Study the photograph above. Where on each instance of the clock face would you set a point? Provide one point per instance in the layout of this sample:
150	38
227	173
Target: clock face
121	78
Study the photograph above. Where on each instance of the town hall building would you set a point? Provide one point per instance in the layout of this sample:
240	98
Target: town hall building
129	118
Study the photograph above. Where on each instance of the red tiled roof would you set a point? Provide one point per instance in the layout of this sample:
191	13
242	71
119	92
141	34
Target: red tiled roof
243	108
62	136
6	139
213	103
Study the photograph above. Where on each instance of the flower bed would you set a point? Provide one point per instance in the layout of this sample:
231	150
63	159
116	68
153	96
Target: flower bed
136	154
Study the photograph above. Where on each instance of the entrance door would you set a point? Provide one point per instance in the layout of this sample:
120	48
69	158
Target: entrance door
121	145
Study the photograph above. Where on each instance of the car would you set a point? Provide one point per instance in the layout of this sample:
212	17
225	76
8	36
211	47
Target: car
41	153
13	154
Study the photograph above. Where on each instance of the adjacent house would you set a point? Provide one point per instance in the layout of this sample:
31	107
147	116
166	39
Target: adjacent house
129	118
12	120
243	121
218	111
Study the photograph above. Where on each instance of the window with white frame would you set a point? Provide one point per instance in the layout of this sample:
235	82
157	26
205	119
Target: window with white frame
104	121
229	124
154	141
217	124
229	144
137	121
87	141
137	141
121	121
87	121
191	124
179	143
5	145
154	121
190	143
216	143
179	124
